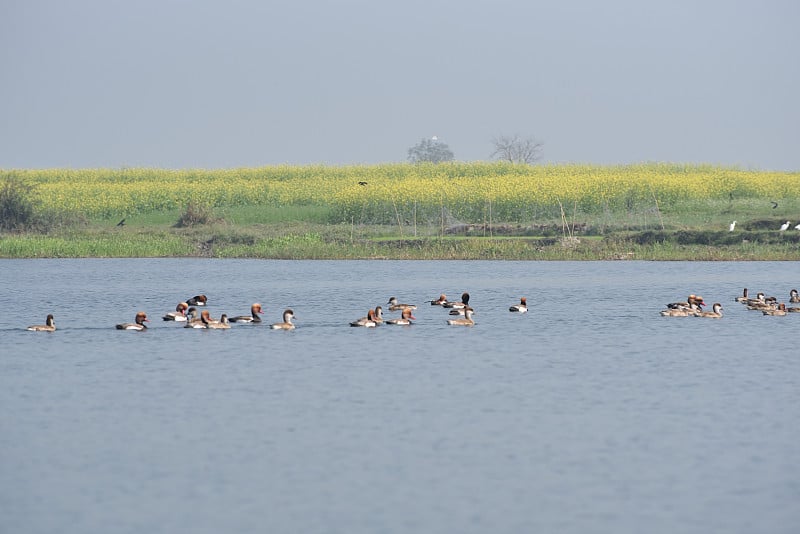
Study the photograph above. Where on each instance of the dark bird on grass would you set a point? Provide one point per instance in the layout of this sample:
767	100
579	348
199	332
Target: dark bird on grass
362	183
121	223
774	204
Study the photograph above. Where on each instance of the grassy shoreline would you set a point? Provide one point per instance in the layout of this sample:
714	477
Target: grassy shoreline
315	241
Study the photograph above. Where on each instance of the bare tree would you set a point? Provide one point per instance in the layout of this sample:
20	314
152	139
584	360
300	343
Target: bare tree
516	149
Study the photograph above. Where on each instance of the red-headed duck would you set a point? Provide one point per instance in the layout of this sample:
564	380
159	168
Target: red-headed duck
287	323
440	301
691	299
49	326
255	309
522	307
197	300
179	314
195	322
463	321
368	321
140	319
405	318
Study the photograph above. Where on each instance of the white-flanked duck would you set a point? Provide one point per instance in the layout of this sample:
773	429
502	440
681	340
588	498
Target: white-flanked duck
691	299
48	326
138	323
368	321
179	314
522	307
794	296
197	300
287	323
780	310
441	301
463	321
396	306
405	318
714	313
743	298
195	322
458	305
255	309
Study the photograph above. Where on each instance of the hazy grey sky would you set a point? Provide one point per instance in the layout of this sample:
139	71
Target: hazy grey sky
210	84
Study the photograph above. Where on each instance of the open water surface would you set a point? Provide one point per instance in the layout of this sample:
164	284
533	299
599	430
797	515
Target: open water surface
591	413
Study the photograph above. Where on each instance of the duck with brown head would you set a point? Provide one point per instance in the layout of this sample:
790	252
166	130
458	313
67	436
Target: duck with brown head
138	323
405	318
255	309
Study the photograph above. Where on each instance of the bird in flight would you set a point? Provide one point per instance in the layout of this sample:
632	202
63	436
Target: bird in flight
774	204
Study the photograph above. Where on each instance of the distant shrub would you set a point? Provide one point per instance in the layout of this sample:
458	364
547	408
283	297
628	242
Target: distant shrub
17	205
195	214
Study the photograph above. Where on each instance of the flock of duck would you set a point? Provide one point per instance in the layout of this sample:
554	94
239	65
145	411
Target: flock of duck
187	312
692	307
460	311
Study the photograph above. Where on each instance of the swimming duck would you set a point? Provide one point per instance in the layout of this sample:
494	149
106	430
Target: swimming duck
287	324
715	313
743	298
368	321
49	326
405	318
395	306
141	318
465	321
222	324
458	305
691	299
378	317
675	312
255	309
195	322
440	301
794	296
780	310
197	300
179	314
522	307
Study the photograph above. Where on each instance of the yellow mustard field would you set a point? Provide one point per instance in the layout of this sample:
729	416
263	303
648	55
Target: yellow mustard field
383	193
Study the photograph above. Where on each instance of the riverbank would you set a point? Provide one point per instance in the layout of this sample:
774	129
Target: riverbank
295	241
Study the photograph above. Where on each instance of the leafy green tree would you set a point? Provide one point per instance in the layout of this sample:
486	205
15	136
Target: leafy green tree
430	149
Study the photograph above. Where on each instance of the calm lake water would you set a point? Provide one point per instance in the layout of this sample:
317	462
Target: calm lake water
591	413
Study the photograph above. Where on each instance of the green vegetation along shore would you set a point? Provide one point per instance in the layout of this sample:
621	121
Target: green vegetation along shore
402	211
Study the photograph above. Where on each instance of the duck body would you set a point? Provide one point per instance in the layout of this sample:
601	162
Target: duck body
138	323
368	321
405	318
254	317
222	324
287	324
48	326
197	300
458	305
522	307
396	306
440	301
463	321
179	314
779	311
715	313
691	299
